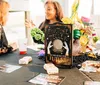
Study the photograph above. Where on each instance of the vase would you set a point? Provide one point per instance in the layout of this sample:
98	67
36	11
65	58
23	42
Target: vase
37	41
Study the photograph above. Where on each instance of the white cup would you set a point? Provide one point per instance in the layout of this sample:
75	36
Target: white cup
22	42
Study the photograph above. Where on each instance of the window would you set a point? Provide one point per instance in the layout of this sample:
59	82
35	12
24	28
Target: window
15	26
96	7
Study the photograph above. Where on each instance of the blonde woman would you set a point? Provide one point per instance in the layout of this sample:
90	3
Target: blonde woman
4	47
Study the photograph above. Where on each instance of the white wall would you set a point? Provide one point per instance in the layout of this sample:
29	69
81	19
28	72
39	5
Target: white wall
65	6
22	5
15	28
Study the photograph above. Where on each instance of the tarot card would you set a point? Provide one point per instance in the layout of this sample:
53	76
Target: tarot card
58	44
7	68
45	79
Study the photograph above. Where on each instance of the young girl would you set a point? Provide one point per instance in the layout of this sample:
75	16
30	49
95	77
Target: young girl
4	47
53	14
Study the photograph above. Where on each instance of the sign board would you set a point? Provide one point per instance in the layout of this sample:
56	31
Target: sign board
58	44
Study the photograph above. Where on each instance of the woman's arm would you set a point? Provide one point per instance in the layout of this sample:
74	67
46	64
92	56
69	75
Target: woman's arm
29	24
4	47
10	48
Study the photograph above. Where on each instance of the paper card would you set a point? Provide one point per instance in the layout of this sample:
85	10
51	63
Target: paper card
91	83
7	68
88	69
45	79
90	66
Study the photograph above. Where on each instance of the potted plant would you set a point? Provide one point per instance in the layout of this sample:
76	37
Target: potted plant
37	35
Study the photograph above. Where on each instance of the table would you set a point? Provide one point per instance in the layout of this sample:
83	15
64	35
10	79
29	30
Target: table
26	72
93	76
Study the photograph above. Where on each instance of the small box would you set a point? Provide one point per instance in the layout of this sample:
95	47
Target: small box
25	60
51	68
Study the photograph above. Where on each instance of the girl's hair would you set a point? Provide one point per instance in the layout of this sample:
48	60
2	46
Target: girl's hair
59	12
57	6
4	8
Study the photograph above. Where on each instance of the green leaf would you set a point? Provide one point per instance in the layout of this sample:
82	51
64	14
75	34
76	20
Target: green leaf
37	36
33	33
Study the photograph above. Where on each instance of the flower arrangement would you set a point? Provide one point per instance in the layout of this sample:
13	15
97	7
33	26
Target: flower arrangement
37	35
88	29
84	31
81	26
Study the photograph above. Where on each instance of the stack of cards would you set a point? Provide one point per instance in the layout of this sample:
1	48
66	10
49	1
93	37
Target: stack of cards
51	68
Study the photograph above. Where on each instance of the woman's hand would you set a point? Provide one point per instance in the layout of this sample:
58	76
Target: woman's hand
29	24
14	46
4	50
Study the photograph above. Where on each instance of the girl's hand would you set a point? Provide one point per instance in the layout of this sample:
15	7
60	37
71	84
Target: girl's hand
29	24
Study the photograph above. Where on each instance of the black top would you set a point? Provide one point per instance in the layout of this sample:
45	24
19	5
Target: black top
3	42
45	25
